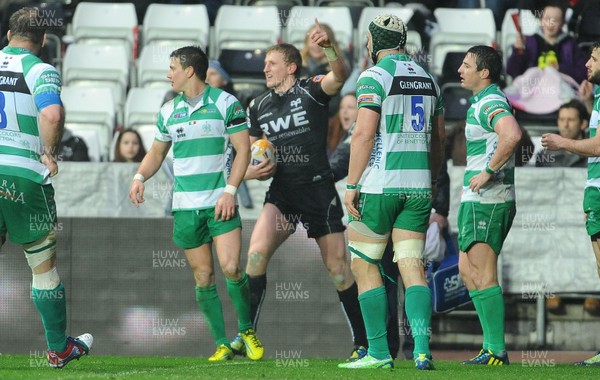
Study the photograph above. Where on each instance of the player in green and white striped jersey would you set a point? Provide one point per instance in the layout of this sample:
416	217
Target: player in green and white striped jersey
591	148
31	126
487	206
200	123
395	156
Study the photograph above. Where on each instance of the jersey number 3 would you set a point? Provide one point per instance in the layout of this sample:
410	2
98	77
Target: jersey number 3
2	113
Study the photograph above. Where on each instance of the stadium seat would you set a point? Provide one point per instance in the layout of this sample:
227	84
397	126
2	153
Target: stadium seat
472	20
456	101
106	24
529	25
587	28
302	18
147	133
90	109
283	6
92	141
98	66
350	3
142	106
450	67
153	65
443	43
368	14
460	29
176	24
244	65
245	28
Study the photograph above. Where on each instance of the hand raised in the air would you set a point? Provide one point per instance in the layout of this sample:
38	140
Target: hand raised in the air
319	36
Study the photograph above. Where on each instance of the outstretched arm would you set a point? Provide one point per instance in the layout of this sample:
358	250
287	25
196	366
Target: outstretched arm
334	80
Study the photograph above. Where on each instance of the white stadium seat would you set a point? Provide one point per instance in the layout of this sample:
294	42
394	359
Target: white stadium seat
470	20
90	109
529	25
142	106
92	141
460	29
176	24
153	65
98	66
106	24
302	18
245	28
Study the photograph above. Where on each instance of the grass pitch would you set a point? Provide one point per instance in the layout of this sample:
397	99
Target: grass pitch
111	367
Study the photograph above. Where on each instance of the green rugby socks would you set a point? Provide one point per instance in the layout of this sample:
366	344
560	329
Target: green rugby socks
373	304
492	304
52	306
239	292
210	305
418	311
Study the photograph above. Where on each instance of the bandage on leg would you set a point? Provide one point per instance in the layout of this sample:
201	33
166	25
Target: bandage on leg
409	249
372	251
46	281
40	250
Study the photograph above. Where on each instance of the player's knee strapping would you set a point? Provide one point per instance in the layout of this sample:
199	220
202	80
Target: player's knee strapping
46	281
38	252
408	249
371	252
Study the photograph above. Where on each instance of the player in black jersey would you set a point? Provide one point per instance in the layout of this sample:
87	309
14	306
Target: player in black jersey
293	115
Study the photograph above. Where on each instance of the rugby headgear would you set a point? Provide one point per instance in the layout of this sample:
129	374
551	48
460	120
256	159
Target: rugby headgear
388	32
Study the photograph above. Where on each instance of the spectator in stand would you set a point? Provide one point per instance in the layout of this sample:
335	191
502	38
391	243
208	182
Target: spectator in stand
340	124
73	148
314	61
550	46
129	147
217	77
572	123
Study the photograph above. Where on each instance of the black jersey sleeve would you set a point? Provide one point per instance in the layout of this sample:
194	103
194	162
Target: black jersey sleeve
313	84
252	112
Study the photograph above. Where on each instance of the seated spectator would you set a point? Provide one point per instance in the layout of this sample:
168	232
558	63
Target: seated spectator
340	124
572	123
549	47
73	148
129	147
456	148
217	77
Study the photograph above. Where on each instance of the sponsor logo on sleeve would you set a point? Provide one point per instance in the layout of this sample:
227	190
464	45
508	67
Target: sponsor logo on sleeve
368	99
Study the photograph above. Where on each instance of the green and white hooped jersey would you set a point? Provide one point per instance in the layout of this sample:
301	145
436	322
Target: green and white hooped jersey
487	107
27	85
202	155
407	98
593	178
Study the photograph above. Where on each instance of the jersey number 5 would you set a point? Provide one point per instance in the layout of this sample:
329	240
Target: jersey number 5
417	109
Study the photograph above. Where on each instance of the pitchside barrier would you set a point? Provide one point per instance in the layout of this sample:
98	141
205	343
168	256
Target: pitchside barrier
130	286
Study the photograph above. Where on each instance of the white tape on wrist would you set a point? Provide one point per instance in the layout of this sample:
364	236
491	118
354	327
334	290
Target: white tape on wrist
139	177
230	189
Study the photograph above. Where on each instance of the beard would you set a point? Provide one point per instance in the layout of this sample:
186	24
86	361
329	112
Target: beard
594	77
